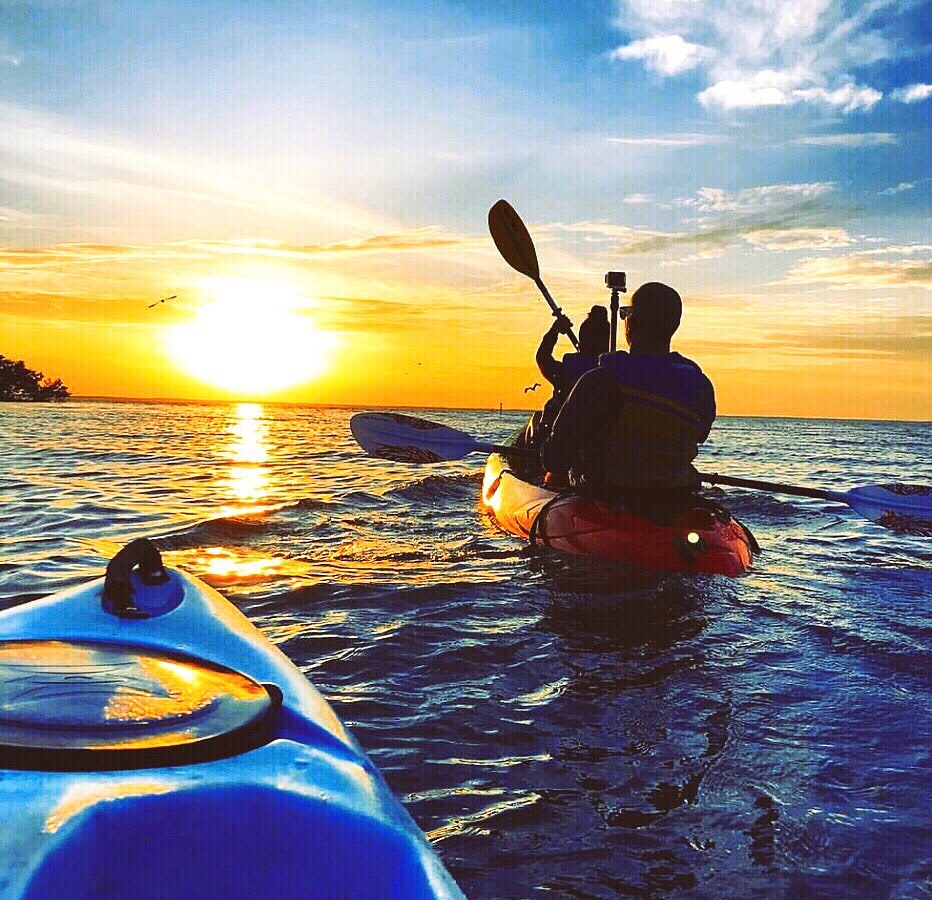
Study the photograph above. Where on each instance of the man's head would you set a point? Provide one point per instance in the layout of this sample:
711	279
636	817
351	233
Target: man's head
594	333
653	316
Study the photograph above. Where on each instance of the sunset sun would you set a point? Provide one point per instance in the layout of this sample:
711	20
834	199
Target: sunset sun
251	339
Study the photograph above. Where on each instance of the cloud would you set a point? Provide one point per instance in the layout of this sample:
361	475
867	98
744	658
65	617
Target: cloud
849	139
769	88
900	188
637	199
67	165
667	54
83	254
894	337
779	217
670	140
368	314
898	250
763	53
412	240
797	238
764	198
857	272
912	93
762	89
849	97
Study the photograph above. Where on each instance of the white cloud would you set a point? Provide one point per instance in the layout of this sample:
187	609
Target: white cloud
754	92
856	272
637	199
852	139
761	53
769	88
773	217
913	93
797	238
849	97
670	140
900	188
768	198
897	249
667	54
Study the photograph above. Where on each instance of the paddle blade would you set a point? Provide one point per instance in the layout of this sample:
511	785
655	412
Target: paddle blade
513	240
901	507
409	439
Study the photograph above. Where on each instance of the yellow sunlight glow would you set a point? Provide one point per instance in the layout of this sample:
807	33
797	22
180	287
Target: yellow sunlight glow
250	339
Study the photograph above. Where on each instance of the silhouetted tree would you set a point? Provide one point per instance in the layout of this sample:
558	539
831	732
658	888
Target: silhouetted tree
19	382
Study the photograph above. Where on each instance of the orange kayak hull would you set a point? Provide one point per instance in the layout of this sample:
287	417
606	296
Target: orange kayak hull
693	539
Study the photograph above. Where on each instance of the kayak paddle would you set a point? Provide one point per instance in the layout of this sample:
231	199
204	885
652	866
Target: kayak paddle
410	439
514	242
896	506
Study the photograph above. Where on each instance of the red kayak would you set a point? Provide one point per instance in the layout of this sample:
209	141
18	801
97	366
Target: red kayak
700	538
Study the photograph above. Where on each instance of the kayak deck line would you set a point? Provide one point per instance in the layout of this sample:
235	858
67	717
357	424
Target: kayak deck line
291	814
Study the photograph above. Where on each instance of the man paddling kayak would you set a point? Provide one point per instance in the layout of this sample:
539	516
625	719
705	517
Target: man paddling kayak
633	425
564	373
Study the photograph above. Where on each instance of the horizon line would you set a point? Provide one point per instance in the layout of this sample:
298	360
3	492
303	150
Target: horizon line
319	405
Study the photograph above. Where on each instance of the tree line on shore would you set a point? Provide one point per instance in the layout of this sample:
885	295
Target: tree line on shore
19	382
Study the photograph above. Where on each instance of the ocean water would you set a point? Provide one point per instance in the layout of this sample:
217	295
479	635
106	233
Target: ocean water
555	726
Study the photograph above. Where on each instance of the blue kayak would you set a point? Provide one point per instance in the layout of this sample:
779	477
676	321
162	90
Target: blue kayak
154	744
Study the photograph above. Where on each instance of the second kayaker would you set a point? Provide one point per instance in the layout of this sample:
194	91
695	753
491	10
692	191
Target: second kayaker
633	425
564	373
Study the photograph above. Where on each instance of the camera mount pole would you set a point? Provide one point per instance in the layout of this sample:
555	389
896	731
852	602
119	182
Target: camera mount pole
614	308
615	281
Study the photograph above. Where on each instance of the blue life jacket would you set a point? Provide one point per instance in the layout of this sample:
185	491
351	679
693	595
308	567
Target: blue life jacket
575	365
666	408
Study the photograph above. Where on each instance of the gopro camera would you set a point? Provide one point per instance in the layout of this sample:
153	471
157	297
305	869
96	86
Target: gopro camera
615	281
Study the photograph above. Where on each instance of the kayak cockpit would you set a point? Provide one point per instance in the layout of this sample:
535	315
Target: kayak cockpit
86	705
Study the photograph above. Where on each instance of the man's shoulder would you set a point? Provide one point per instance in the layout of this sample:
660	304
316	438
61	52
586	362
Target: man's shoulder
592	385
594	377
677	359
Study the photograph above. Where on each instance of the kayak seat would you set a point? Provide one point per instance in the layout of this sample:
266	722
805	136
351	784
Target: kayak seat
238	841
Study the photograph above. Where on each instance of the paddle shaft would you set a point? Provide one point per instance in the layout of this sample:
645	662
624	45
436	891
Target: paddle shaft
557	312
505	450
776	487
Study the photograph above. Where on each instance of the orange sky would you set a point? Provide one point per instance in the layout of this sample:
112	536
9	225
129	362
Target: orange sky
424	319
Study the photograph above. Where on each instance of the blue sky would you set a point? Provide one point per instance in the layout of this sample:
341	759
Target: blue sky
761	155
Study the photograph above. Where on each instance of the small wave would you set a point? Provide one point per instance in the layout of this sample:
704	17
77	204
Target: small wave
244	522
364	499
439	487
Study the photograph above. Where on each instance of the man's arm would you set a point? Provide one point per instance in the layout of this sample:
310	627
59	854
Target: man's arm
549	367
708	413
572	431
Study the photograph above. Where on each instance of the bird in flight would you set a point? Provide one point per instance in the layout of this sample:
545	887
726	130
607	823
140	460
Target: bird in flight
157	302
533	387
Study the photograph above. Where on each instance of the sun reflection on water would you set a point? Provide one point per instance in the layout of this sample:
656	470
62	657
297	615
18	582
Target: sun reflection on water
248	478
245	487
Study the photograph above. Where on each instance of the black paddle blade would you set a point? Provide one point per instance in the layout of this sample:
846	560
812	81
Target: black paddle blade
513	240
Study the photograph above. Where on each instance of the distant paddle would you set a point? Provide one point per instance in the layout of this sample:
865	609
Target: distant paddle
901	507
514	242
409	439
